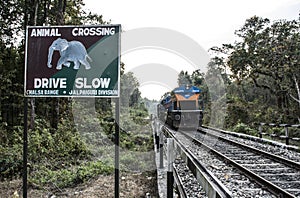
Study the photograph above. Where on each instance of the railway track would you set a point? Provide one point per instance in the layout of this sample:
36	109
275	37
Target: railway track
223	177
186	164
187	184
219	163
279	175
289	152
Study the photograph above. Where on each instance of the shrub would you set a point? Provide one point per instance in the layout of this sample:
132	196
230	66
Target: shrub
243	128
69	177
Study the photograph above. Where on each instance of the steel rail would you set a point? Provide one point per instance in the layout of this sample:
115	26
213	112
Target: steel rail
185	111
211	185
263	182
180	186
271	156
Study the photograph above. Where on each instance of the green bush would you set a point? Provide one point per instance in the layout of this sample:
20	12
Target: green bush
63	156
11	161
243	128
64	144
68	177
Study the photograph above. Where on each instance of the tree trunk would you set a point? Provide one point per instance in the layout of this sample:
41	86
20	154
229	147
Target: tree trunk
55	101
298	93
32	100
32	113
55	113
46	8
61	12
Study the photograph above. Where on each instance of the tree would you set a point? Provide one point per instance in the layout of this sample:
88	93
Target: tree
11	12
267	54
129	90
135	98
184	79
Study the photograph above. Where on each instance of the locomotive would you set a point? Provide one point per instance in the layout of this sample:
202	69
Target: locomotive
181	108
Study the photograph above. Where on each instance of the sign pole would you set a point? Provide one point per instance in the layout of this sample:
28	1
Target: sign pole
25	148
117	148
170	157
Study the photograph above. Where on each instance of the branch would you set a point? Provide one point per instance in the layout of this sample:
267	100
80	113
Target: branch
295	98
261	86
297	86
298	91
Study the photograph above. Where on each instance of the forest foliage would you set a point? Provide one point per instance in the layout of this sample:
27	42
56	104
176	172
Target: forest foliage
255	79
69	140
263	71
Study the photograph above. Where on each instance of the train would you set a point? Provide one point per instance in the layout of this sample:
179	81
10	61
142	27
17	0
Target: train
181	108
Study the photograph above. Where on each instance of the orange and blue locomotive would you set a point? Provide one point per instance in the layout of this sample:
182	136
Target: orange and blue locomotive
181	108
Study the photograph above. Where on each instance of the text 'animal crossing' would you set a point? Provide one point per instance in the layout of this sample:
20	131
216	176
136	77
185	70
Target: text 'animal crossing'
77	31
93	31
80	83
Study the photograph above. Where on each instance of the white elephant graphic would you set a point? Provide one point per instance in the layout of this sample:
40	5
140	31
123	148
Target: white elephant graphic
73	51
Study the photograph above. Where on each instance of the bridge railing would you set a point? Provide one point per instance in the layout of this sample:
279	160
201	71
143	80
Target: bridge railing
287	136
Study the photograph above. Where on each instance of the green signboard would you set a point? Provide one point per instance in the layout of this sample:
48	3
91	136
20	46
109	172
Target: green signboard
79	61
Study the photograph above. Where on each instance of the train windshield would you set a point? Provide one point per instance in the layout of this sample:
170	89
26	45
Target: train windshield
188	105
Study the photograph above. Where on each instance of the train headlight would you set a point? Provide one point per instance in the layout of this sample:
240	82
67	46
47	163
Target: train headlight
177	117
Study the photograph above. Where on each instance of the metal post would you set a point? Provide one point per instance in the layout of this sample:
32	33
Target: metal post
286	135
161	149
156	134
170	157
117	149
25	148
25	124
157	142
260	131
260	128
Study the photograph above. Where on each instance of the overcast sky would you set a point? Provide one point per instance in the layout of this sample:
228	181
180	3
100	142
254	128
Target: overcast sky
209	23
